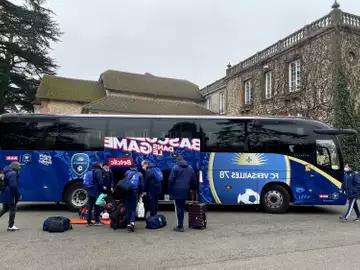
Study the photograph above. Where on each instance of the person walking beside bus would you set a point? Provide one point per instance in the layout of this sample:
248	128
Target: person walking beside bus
136	180
9	193
93	183
182	179
351	188
152	185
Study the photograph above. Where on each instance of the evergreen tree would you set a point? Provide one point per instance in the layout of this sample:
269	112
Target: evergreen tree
26	34
346	117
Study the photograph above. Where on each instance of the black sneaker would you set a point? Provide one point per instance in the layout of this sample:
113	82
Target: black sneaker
179	229
357	219
99	223
343	218
89	225
131	227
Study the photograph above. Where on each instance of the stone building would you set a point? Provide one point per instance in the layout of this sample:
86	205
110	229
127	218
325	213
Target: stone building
295	76
119	93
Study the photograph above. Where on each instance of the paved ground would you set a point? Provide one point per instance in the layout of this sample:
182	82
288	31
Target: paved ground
305	238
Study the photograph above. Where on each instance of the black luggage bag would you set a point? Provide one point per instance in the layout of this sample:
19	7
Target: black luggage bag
197	215
118	216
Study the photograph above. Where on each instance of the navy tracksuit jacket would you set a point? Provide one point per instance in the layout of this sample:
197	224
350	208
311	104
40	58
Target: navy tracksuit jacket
182	179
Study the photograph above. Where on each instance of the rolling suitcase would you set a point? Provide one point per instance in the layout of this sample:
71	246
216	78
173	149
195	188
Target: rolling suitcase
197	215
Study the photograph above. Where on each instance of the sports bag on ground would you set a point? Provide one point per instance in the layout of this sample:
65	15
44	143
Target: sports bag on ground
197	215
156	222
88	181
57	224
158	174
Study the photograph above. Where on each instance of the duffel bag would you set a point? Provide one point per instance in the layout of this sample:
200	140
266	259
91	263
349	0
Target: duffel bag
156	222
57	224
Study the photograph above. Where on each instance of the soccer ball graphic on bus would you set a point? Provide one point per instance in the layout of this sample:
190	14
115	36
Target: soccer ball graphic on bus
248	197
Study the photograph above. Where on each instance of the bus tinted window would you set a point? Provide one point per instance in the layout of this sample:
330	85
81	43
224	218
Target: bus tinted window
223	135
174	128
28	133
81	133
128	127
283	137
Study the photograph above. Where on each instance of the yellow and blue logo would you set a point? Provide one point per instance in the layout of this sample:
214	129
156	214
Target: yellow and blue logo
249	159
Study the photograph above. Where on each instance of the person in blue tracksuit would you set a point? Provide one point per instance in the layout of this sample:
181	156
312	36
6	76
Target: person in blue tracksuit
108	179
152	188
132	198
10	195
351	188
93	194
182	179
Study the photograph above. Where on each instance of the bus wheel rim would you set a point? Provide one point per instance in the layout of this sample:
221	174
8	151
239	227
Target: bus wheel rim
274	199
77	197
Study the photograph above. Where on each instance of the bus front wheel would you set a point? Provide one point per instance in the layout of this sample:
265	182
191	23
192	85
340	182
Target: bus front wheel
275	199
76	196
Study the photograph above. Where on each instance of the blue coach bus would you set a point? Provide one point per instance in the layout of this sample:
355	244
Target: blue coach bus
271	161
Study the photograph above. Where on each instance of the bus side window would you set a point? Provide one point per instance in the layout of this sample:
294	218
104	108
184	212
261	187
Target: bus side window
218	135
80	133
174	128
326	155
128	127
281	137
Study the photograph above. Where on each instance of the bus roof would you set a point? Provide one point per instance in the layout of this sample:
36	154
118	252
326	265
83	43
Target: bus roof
150	116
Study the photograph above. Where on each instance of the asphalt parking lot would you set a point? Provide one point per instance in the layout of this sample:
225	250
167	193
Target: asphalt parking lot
236	238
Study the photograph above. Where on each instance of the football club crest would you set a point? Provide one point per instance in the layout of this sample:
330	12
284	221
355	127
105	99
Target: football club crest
80	163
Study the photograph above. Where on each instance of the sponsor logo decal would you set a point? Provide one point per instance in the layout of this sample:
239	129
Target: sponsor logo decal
12	158
26	158
151	146
323	196
45	160
120	162
335	196
80	163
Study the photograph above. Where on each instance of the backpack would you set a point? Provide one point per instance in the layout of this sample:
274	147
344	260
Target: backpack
118	217
57	224
156	222
356	178
135	181
126	185
2	180
88	181
158	174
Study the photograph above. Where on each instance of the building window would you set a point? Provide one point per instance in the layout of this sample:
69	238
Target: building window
208	103
294	76
222	102
247	88
268	84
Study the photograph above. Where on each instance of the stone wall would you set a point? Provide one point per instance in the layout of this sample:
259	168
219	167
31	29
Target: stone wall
60	107
315	55
350	56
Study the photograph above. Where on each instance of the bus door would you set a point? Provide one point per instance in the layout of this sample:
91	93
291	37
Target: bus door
328	161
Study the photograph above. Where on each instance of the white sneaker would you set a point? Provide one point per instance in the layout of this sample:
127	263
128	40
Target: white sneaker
13	229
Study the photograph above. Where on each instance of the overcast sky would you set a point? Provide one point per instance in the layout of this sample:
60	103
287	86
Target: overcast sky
186	39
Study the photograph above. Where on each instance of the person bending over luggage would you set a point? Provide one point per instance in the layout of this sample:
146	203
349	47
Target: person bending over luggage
351	188
93	183
136	180
9	193
108	178
152	187
182	179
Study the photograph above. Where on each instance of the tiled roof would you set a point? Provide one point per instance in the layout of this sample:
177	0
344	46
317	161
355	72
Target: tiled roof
150	85
67	89
133	105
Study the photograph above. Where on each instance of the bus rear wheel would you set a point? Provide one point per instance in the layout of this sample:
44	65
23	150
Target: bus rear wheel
76	197
275	199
